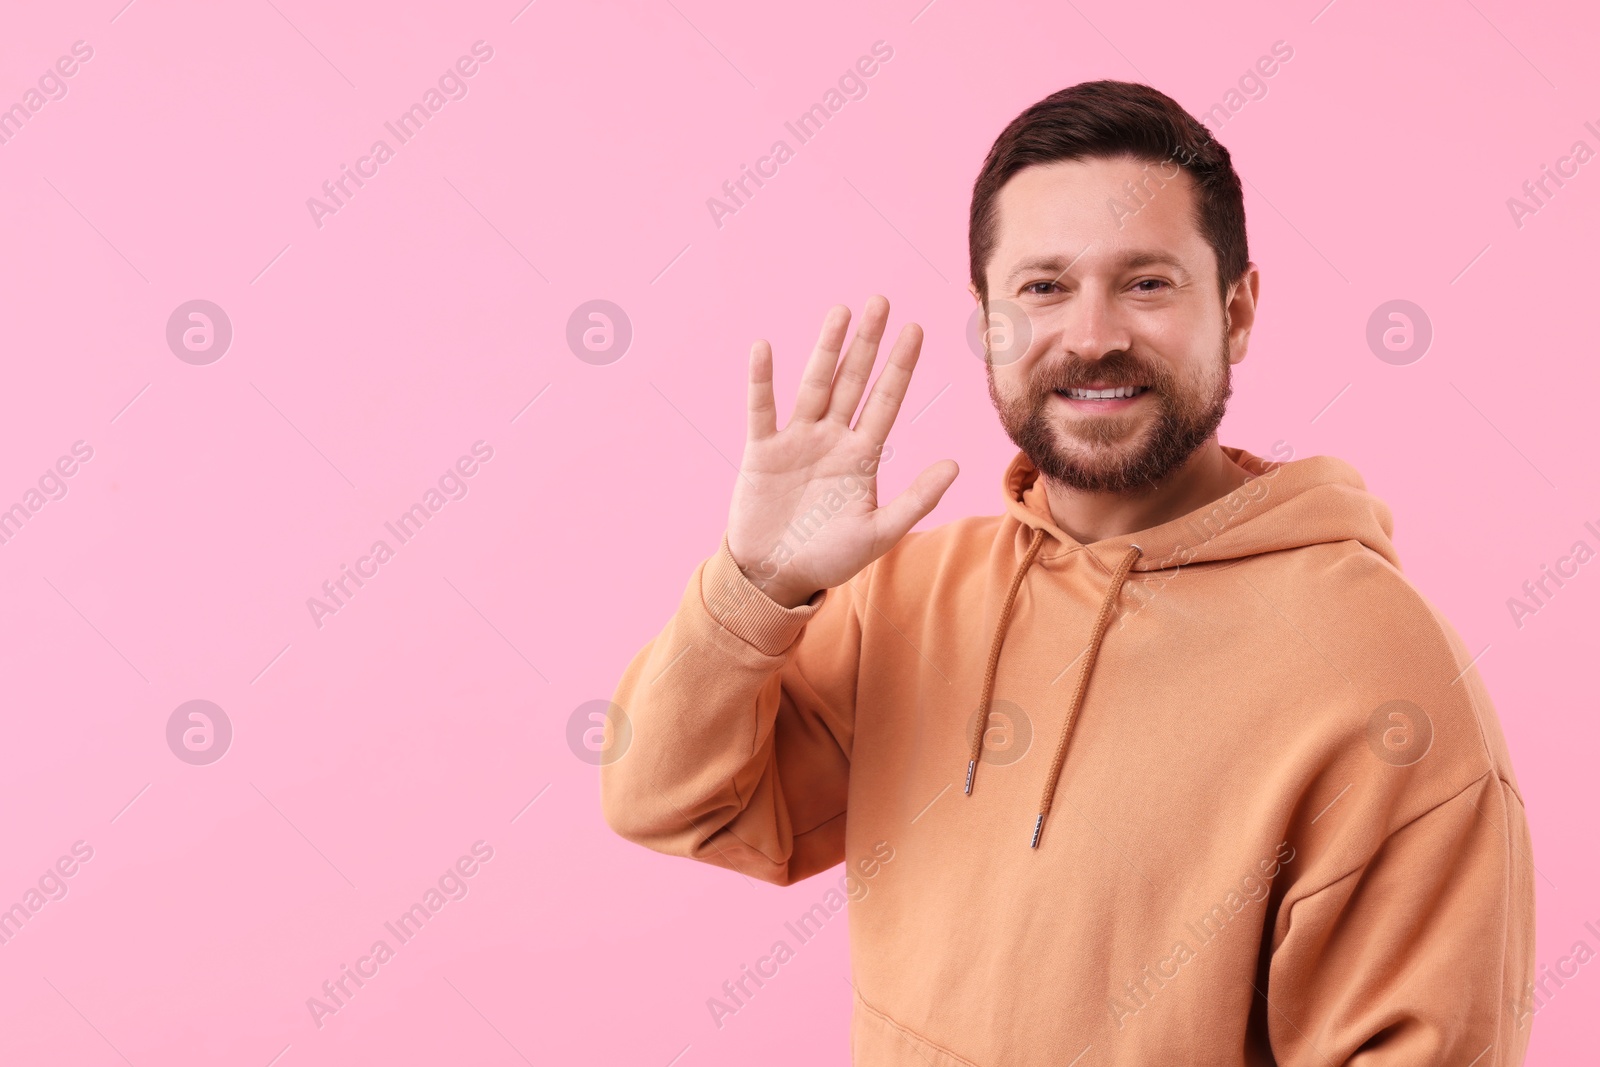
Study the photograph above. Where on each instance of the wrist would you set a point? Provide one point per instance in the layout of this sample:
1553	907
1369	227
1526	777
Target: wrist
766	576
785	596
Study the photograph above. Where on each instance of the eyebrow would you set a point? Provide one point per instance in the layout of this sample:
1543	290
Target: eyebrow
1129	261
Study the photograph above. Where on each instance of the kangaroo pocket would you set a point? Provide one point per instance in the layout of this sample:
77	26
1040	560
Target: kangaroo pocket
878	1041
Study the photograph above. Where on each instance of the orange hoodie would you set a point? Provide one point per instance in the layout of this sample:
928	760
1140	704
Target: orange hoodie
1225	791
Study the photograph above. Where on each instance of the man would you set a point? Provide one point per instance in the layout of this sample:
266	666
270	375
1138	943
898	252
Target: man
1166	764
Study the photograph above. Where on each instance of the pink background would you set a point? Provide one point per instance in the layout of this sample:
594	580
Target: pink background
368	354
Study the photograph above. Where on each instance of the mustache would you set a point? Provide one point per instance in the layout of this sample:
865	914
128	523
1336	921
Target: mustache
1110	371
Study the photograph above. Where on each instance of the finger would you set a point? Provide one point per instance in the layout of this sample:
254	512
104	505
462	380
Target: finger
817	381
851	379
895	519
890	389
762	419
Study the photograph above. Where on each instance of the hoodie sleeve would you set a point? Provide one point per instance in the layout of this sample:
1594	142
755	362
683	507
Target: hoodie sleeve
742	715
1420	956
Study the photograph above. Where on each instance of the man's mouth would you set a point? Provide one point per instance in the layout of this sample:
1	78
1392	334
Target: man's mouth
1120	392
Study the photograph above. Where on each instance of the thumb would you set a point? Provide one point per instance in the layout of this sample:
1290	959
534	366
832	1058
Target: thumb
895	519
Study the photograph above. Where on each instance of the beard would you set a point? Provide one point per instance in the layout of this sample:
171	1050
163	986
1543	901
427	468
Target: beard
1105	453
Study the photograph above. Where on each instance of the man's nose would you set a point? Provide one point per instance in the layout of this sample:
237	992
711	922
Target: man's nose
1093	324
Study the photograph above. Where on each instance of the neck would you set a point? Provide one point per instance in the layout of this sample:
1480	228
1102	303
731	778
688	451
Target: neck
1091	517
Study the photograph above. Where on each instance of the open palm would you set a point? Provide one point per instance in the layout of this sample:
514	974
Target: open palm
805	513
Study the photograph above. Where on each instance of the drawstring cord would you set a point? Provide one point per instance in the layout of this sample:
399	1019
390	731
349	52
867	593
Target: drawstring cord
994	655
1101	623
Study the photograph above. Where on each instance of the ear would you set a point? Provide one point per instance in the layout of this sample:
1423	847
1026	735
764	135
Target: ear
972	287
1241	312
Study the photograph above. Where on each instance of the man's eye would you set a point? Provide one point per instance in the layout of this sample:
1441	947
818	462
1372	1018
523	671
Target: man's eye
1151	281
1031	287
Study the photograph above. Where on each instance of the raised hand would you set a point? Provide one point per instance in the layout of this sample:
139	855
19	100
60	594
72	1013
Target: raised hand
805	512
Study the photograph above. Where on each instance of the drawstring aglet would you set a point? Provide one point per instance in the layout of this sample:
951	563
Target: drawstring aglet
972	765
1038	824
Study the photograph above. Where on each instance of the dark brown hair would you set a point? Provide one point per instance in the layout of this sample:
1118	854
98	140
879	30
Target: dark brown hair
1107	119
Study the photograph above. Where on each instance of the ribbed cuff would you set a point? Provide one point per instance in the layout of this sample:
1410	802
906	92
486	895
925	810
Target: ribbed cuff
740	607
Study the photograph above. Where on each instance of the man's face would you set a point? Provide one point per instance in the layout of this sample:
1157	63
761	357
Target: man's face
1099	298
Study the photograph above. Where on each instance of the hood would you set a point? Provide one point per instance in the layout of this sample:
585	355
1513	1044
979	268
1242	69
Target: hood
1301	502
1287	505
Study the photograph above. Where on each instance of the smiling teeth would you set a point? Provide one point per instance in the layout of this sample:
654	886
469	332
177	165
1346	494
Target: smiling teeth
1119	393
